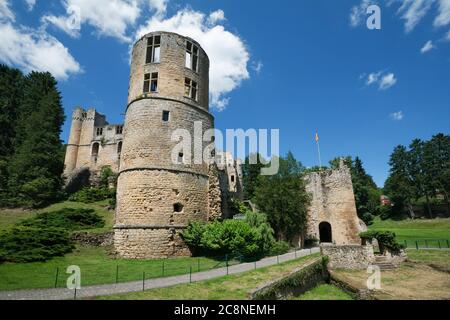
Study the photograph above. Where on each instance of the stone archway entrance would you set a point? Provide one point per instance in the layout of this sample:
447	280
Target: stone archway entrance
325	232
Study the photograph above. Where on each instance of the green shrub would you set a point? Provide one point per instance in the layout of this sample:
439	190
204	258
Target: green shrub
90	195
385	212
235	237
27	244
367	217
279	248
67	219
386	239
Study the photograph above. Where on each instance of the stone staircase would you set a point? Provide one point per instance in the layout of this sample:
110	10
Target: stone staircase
384	263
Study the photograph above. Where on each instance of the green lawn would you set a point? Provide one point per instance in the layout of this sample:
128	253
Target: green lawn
325	292
232	287
97	267
434	257
427	232
8	217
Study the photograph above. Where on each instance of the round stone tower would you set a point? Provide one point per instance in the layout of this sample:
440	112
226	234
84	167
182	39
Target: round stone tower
70	161
158	195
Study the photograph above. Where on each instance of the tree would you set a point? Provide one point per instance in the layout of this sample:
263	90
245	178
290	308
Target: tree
36	167
251	169
399	184
284	199
11	83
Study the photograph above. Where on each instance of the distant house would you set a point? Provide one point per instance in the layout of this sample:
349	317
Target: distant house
385	201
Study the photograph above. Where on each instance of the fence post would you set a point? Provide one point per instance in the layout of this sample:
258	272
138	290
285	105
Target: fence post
448	244
190	274
278	259
255	265
295	253
198	264
75	294
56	277
226	262
439	244
163	268
143	281
310	251
417	245
117	274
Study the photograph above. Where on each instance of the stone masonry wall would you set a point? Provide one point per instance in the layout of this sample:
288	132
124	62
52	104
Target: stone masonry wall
333	201
348	256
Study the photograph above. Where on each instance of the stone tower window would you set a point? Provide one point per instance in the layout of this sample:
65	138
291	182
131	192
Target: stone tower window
190	89
119	148
153	49
178	207
94	154
151	82
165	116
232	178
180	157
191	56
99	131
119	129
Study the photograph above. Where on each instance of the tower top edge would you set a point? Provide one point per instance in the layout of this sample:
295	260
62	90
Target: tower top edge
153	33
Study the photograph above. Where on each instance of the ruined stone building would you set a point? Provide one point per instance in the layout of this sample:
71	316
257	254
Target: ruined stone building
157	195
332	216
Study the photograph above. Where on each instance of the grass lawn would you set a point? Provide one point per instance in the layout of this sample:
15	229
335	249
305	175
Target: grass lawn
232	287
431	257
97	267
412	280
8	217
325	292
427	232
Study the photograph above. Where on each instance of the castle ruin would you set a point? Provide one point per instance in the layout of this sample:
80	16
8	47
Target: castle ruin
159	192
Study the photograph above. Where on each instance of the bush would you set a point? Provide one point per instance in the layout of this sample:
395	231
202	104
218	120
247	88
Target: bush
27	244
367	217
385	239
385	212
311	241
67	219
278	248
236	237
90	195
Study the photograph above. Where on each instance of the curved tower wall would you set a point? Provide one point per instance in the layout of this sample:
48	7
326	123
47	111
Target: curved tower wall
70	161
156	198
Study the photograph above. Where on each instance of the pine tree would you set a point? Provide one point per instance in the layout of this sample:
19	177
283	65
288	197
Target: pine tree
10	98
36	167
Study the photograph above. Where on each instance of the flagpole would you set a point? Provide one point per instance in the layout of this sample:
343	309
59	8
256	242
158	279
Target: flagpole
318	149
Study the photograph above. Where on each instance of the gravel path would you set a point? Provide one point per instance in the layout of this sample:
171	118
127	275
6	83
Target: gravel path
135	286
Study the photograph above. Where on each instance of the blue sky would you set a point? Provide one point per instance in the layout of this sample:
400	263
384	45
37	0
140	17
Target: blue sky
297	66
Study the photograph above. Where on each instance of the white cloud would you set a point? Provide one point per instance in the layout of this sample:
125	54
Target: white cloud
160	6
5	12
397	116
216	17
443	17
257	66
412	11
32	50
31	4
380	78
109	17
227	52
427	47
387	81
358	12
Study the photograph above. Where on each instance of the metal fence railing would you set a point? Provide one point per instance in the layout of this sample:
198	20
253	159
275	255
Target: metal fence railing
427	244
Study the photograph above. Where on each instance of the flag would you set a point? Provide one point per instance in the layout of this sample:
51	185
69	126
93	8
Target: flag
317	137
